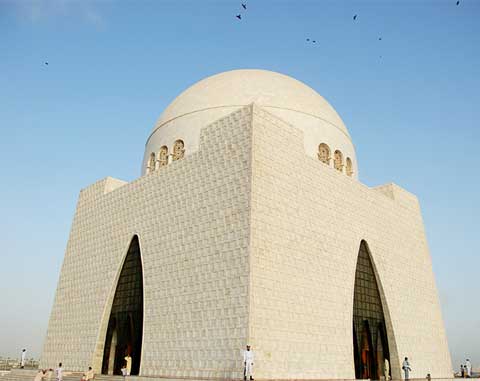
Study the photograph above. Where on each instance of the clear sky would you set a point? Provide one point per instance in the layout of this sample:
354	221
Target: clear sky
410	101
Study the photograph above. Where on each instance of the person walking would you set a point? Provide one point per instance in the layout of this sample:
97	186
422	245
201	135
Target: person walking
462	371
406	368
23	358
468	368
386	370
59	372
248	363
128	360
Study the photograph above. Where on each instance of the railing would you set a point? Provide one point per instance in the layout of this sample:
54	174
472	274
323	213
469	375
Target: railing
9	363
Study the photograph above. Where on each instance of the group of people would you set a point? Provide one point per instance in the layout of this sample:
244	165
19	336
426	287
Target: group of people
46	374
127	366
248	357
466	369
89	375
43	374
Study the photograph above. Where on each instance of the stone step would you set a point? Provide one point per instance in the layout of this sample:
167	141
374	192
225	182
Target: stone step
24	372
104	377
29	375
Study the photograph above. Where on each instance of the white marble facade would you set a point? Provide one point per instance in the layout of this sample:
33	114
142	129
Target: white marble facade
246	236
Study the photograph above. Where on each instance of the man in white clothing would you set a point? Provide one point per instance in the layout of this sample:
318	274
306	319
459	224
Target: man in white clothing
386	370
89	374
23	359
406	368
468	365
59	372
128	361
248	363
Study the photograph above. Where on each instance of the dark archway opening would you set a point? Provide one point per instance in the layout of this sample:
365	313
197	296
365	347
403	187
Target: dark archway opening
125	325
370	346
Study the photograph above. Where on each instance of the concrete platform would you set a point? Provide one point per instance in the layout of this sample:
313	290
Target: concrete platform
29	375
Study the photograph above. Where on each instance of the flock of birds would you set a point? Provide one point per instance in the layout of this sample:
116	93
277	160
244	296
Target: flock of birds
239	16
244	6
309	40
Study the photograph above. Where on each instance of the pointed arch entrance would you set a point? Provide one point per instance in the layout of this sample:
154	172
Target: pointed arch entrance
370	345
125	325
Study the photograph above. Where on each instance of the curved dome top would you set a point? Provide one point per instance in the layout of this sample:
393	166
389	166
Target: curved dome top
283	97
237	88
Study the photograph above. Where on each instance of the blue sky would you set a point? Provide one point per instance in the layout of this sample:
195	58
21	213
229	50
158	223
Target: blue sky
410	101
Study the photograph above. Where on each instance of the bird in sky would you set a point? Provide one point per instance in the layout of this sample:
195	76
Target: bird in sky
458	2
354	17
46	63
379	38
308	39
314	41
244	6
239	17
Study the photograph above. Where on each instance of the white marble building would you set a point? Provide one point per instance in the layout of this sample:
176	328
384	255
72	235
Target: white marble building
248	225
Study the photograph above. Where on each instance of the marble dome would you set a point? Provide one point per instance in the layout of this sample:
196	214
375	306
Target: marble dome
219	95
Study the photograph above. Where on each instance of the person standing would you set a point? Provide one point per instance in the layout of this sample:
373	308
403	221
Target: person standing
462	371
23	358
124	370
468	366
40	375
248	363
406	368
48	374
386	370
59	372
128	360
89	374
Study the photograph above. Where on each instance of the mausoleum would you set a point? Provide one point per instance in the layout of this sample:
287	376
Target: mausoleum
248	224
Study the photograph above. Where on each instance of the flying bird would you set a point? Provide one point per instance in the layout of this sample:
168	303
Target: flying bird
308	39
46	63
458	2
314	41
355	17
244	6
379	38
239	17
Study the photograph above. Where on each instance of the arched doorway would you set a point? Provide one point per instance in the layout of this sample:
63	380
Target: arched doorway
370	344
125	325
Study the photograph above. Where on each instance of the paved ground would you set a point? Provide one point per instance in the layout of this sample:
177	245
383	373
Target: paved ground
29	375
